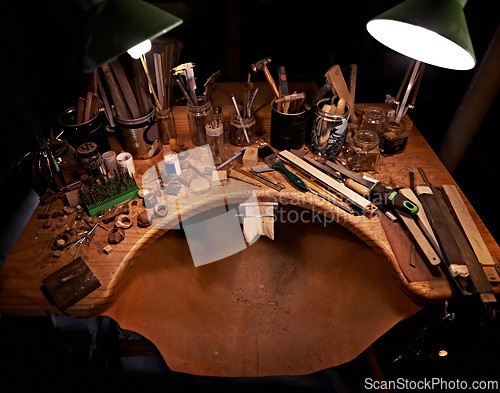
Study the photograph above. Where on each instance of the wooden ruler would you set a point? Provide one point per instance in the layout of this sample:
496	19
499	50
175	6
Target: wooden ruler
419	237
336	79
468	226
328	181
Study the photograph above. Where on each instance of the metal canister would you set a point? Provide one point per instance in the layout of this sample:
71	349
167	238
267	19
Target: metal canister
328	131
140	137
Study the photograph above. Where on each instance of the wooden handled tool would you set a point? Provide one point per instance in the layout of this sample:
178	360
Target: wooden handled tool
262	65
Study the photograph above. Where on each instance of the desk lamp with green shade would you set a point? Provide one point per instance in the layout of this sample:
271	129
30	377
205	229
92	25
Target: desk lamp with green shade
112	27
429	31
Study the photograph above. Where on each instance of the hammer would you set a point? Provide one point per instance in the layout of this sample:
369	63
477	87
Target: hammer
262	65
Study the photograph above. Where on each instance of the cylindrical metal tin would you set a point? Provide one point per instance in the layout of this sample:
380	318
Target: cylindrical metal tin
89	131
328	131
140	136
288	130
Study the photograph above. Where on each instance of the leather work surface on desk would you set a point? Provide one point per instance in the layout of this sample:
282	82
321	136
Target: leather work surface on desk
314	297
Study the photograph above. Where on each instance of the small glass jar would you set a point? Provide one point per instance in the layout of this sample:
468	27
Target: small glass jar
394	136
215	139
239	130
67	160
198	116
373	118
363	151
166	126
91	159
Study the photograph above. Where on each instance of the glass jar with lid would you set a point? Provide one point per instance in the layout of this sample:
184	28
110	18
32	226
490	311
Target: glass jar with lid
373	118
394	136
363	151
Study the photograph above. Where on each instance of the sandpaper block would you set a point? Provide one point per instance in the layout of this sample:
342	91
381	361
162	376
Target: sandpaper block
70	284
250	157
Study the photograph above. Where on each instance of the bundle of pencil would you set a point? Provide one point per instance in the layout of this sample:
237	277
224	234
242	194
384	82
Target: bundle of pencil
132	96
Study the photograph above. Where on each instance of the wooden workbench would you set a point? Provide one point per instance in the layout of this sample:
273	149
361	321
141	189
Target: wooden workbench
31	261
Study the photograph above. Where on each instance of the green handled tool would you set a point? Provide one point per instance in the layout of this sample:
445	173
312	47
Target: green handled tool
377	192
276	163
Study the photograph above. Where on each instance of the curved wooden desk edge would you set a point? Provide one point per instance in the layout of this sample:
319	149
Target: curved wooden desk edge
369	230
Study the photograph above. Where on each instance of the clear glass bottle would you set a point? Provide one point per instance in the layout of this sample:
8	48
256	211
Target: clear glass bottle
215	139
363	151
373	118
394	136
238	129
198	116
166	126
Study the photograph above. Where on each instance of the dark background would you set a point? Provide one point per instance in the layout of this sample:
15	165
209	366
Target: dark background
40	77
40	74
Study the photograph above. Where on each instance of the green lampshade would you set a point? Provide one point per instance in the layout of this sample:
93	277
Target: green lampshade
431	31
114	26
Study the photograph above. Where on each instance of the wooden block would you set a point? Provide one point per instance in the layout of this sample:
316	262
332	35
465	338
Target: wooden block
468	226
219	176
107	249
250	157
253	227
73	198
70	283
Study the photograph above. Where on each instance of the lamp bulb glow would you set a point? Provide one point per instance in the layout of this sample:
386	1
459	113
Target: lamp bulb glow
140	49
420	44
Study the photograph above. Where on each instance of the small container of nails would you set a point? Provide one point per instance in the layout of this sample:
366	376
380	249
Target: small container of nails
215	137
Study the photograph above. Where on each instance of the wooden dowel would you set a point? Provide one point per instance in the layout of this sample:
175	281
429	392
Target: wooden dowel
80	110
88	107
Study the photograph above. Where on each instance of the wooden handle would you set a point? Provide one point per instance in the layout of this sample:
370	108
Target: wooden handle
271	82
359	188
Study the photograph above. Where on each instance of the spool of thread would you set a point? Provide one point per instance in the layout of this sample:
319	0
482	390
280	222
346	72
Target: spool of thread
109	158
125	162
